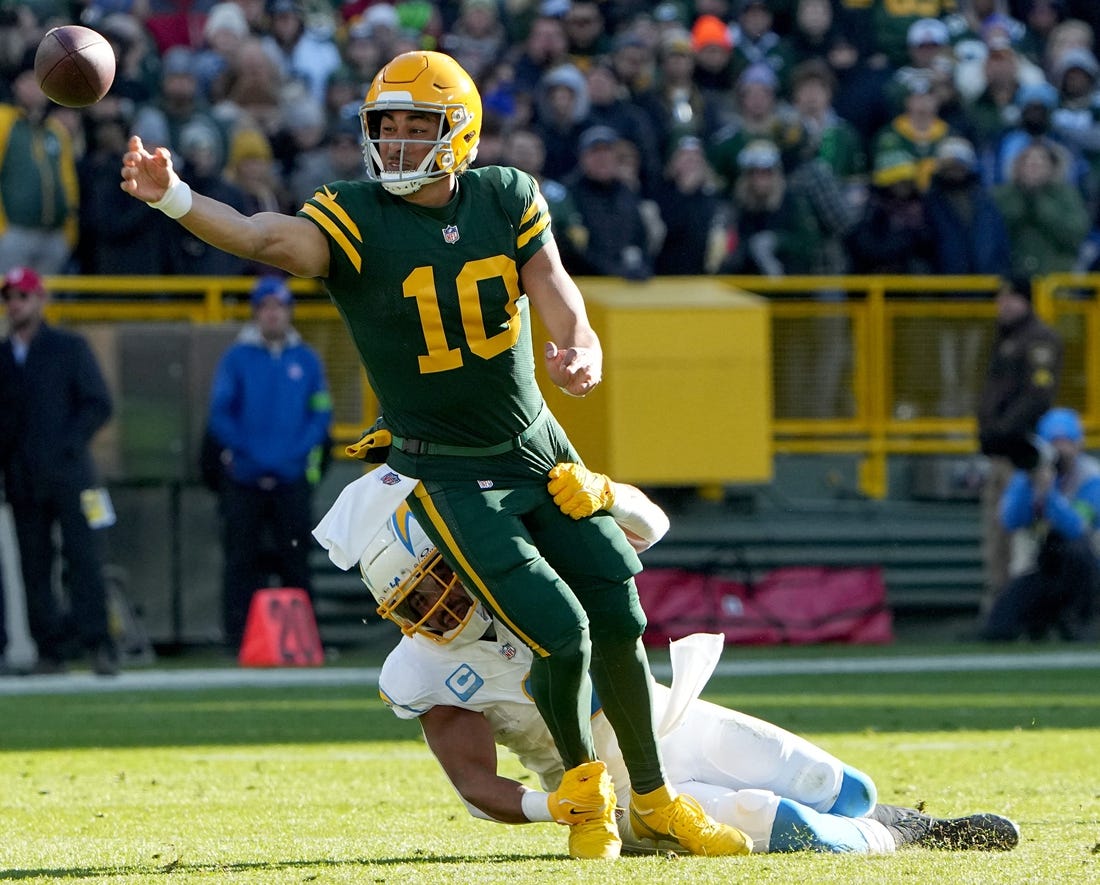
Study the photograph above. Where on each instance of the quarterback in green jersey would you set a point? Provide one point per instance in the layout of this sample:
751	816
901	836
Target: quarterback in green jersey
434	268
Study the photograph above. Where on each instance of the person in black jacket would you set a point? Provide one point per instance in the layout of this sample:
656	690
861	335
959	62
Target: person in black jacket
53	399
616	244
1020	386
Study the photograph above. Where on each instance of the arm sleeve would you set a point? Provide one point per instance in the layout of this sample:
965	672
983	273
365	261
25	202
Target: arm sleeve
1016	510
638	516
1063	516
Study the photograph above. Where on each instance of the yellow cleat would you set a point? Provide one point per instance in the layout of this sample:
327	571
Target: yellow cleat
595	840
684	821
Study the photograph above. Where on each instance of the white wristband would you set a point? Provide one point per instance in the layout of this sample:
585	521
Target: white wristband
176	201
535	806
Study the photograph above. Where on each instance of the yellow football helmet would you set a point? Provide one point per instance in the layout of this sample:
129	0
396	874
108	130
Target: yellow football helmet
430	82
415	588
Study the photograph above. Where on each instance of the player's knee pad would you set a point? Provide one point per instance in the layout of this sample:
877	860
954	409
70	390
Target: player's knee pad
857	796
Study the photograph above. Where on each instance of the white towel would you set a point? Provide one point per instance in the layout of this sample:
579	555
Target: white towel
693	660
359	512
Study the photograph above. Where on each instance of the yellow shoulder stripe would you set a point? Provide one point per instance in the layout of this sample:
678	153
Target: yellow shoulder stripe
336	233
538	211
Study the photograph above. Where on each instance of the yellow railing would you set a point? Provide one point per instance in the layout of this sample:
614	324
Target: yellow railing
872	365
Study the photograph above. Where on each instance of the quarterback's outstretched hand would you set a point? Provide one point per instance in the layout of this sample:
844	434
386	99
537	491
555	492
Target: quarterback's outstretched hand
584	794
578	491
145	175
575	370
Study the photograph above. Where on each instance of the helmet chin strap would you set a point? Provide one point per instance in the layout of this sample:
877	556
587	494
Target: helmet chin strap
393	183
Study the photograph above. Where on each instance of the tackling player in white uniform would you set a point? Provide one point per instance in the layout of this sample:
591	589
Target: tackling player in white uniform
462	675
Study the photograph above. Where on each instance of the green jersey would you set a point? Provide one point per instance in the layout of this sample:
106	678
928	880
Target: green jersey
433	301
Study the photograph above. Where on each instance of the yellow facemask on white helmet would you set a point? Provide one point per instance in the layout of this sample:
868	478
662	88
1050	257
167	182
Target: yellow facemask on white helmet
415	588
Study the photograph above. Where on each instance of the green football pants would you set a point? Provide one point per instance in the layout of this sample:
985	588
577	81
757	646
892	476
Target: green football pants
565	587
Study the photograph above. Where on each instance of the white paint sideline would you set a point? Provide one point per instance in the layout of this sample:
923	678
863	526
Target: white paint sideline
367	677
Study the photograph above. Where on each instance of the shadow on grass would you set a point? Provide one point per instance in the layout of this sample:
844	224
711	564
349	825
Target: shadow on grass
77	873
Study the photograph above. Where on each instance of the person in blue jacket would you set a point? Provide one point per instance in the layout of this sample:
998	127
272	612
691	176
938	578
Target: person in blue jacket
270	411
1057	507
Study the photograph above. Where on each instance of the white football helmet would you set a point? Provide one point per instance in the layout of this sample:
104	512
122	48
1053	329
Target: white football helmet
415	588
432	83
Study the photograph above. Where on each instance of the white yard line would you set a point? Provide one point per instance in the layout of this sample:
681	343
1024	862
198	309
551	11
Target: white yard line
192	680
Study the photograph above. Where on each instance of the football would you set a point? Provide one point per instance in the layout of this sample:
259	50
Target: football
74	66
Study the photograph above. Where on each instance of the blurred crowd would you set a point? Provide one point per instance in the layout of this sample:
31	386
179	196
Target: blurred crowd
768	137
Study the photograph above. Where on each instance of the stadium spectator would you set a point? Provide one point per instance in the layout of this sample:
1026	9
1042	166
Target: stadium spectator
967	226
882	27
611	104
827	135
305	53
371	39
561	115
251	168
676	106
114	238
893	236
1046	217
988	86
586	33
1076	120
39	192
931	61
1053	513
137	73
916	131
1020	385
760	115
179	104
756	42
477	38
817	33
776	233
634	58
617	238
696	216
994	57
715	70
269	415
1036	104
1070	34
53	400
546	48
1040	17
339	158
250	91
222	34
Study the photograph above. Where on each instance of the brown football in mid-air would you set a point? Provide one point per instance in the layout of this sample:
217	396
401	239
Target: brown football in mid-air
74	66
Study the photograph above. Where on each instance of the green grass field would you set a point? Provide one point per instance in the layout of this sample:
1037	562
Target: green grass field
316	784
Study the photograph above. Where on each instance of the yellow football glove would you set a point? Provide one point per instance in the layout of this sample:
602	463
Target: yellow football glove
578	491
585	793
373	447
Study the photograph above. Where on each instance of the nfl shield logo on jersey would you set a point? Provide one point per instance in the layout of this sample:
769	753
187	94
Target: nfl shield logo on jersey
450	234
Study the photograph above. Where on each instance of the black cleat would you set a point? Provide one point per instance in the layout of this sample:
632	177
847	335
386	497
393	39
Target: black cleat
975	832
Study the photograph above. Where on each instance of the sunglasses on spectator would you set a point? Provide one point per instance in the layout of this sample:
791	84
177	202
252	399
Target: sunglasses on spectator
14	295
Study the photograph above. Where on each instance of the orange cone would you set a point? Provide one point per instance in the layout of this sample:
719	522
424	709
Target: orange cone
281	630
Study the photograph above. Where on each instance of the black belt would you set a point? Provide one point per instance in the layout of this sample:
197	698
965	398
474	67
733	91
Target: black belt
423	447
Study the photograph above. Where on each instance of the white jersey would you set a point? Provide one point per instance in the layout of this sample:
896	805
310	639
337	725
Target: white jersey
709	752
